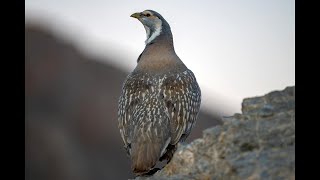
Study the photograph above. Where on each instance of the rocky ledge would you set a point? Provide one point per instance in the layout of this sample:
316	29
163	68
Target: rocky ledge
257	144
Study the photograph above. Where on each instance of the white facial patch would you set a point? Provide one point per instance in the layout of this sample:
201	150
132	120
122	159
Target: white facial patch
147	31
156	33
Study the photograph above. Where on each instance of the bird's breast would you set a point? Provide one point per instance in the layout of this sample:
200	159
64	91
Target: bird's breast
159	59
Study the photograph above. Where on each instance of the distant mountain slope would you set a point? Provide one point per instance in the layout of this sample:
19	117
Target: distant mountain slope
71	112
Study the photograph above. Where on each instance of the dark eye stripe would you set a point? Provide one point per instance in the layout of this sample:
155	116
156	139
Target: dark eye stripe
147	15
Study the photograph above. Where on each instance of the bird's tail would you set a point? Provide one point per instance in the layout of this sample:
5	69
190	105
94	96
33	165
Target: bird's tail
151	137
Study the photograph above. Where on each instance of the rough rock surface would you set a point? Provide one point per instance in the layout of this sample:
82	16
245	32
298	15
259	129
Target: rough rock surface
257	144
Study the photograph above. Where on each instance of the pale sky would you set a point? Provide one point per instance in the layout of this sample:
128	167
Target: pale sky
236	48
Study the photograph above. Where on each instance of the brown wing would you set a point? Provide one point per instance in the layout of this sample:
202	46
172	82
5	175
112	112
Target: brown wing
182	96
133	91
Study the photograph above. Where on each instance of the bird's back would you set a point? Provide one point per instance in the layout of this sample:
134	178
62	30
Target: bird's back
155	110
160	99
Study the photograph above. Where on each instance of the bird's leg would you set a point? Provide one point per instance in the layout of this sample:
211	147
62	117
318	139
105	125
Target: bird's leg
169	153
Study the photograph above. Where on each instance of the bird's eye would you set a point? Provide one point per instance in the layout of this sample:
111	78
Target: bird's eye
147	15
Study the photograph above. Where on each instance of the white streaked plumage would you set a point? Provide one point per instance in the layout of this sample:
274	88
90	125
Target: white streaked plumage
160	99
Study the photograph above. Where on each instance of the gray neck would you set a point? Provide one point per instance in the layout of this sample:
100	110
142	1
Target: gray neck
159	30
160	35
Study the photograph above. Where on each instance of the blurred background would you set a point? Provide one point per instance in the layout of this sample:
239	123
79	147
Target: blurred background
78	53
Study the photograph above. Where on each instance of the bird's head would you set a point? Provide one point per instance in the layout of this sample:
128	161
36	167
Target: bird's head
154	24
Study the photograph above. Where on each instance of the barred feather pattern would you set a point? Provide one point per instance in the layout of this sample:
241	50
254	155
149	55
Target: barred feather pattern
155	111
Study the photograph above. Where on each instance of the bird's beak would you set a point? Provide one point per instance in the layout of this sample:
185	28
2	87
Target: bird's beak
136	15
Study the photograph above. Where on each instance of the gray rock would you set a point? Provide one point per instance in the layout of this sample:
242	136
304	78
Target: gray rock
257	144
